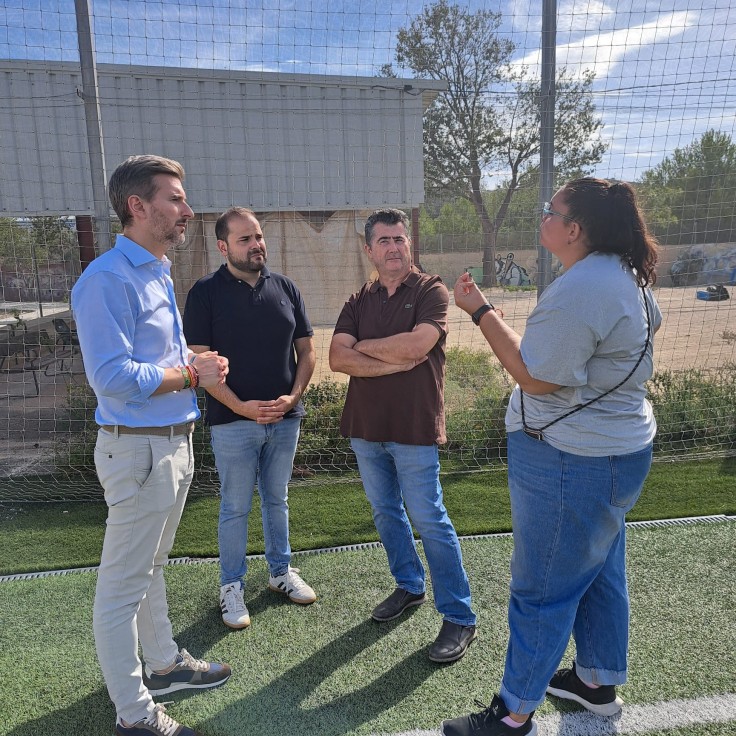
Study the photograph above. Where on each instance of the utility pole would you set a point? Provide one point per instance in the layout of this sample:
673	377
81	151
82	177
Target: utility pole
547	131
95	145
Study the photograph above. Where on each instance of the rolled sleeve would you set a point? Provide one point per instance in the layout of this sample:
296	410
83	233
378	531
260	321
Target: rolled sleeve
105	311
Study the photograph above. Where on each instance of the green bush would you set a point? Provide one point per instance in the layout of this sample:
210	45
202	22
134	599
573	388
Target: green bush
694	409
76	430
321	447
477	390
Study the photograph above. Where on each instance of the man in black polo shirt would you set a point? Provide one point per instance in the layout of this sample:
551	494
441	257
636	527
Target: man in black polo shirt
257	319
390	340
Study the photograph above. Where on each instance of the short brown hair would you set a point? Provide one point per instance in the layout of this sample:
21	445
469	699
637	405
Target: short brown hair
136	176
222	226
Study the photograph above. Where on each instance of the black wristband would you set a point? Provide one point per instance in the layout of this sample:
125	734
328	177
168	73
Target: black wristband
480	312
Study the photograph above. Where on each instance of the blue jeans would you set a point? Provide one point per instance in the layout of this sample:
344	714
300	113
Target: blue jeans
399	478
568	568
246	453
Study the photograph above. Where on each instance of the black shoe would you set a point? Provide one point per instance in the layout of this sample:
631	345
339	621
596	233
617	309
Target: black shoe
396	604
602	701
452	642
488	723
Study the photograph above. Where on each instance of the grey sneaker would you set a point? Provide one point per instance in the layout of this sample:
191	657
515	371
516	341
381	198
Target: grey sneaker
602	701
187	673
234	611
291	585
158	723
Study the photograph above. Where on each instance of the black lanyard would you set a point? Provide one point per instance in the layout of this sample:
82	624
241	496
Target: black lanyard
537	433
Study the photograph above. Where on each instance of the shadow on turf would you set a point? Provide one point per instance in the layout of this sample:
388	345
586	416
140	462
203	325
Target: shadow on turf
92	715
280	708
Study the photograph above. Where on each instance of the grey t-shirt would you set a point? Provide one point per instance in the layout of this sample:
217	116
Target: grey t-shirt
586	334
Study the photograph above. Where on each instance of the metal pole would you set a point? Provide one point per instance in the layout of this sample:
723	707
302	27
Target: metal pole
101	223
547	131
34	261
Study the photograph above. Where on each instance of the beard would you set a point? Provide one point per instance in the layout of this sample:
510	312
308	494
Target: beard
252	263
166	233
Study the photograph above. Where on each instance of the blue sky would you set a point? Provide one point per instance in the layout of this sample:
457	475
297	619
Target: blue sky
665	69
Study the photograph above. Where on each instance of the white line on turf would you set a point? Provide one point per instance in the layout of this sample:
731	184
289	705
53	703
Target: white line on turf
633	719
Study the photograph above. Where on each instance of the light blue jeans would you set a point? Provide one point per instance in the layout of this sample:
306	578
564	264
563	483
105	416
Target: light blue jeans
399	478
568	568
247	453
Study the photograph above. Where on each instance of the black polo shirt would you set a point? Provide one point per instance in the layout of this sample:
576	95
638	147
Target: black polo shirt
255	328
407	407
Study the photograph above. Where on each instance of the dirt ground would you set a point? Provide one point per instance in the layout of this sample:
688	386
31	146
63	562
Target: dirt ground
694	333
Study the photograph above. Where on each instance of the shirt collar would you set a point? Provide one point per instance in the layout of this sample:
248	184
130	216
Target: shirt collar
225	271
136	254
412	278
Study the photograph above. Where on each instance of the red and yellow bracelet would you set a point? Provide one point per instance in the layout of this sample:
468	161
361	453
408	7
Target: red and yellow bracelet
192	375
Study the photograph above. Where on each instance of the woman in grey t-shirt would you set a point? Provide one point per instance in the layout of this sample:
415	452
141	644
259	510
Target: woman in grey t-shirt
580	433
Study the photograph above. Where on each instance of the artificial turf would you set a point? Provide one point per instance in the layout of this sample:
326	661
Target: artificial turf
329	670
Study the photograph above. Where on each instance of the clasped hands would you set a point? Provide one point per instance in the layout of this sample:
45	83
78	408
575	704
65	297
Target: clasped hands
211	368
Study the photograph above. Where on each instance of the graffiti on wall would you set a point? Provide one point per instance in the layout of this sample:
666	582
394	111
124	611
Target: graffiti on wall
703	264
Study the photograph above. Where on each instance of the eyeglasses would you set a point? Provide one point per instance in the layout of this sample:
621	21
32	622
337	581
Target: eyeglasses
547	211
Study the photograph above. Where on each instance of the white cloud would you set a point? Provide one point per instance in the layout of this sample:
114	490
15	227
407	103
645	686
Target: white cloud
572	15
600	52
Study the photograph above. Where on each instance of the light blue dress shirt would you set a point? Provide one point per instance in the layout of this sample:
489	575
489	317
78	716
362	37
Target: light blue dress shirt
130	330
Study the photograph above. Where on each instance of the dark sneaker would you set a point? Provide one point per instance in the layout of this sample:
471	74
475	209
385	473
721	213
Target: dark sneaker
488	723
396	604
602	701
452	642
159	723
187	673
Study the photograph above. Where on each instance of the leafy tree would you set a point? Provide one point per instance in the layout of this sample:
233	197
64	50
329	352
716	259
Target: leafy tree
14	242
54	238
457	218
427	227
41	239
695	187
488	120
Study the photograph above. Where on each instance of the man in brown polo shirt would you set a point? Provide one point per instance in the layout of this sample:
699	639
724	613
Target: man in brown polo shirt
390	339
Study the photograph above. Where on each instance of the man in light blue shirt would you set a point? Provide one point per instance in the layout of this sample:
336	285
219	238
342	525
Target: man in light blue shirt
138	364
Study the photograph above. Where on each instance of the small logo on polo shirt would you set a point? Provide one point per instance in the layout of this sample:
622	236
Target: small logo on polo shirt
408	306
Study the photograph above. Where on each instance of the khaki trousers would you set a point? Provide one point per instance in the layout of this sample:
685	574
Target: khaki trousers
146	479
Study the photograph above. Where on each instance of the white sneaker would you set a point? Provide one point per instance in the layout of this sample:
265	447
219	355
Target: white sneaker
234	613
293	586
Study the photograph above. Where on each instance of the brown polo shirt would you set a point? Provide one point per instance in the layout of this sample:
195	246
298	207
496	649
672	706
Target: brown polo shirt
407	407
